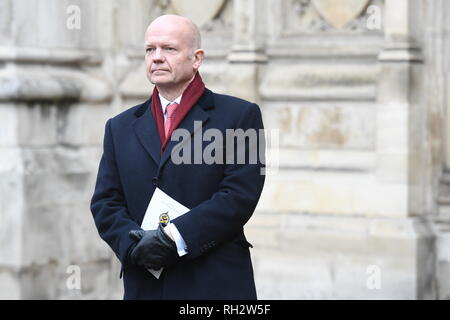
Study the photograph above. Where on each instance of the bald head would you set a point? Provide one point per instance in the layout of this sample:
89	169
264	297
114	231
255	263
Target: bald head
184	26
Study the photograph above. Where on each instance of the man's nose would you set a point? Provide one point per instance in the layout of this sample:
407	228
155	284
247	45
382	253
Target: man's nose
158	55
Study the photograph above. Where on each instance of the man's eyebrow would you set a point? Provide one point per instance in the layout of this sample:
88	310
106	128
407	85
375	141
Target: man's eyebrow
164	44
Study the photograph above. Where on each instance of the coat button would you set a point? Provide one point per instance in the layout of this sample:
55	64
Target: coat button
155	181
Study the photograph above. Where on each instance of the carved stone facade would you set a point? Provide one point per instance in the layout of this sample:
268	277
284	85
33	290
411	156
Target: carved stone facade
358	90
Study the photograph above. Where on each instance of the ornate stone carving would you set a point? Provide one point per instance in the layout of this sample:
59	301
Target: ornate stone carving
199	11
307	17
327	15
340	13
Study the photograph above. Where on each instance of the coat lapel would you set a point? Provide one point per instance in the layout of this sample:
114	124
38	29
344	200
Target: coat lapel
197	113
146	131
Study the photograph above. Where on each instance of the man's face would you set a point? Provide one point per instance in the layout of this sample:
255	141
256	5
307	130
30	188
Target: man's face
169	57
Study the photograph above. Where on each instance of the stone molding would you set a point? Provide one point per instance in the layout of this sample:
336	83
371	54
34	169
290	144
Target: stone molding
24	83
49	56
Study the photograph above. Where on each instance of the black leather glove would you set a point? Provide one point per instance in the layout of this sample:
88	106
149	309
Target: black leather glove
130	250
154	250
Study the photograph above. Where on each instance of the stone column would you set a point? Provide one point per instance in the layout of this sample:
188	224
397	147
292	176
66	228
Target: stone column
400	143
437	94
400	125
248	48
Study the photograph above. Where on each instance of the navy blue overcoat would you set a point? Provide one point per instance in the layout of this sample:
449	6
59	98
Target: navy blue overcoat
222	197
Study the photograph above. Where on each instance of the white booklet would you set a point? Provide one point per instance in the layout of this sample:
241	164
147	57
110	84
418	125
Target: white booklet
162	208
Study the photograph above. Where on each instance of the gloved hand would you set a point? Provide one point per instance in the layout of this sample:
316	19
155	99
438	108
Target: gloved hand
154	250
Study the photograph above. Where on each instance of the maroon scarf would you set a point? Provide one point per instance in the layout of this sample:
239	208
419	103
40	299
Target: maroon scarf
190	96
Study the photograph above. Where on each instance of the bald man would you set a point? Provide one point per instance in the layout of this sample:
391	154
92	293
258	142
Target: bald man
204	253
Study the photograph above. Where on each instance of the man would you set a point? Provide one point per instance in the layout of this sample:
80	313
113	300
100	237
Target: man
204	252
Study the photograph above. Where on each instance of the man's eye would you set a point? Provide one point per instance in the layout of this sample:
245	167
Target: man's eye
170	49
149	49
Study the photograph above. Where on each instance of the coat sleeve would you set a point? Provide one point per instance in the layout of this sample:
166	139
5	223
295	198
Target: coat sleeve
108	204
221	218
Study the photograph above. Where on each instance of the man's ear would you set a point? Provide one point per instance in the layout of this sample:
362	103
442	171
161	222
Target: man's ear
199	55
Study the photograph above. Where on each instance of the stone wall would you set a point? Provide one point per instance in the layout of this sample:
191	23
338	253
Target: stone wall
357	91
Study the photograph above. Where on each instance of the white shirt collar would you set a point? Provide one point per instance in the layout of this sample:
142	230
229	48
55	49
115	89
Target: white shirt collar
165	102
